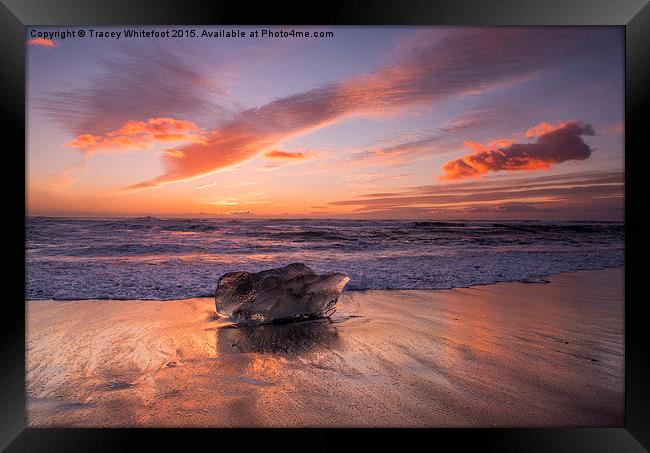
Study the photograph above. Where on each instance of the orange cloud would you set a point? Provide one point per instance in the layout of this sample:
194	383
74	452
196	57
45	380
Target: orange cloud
284	155
142	135
44	42
173	152
543	128
535	193
280	157
558	144
500	143
84	141
435	68
157	127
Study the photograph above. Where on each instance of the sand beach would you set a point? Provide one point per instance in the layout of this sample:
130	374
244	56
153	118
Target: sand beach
506	355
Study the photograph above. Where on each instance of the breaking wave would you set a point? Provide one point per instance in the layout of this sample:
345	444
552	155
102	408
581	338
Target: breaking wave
154	258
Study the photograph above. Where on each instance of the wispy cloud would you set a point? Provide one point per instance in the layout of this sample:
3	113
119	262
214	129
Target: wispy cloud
57	182
144	81
225	202
278	157
463	60
401	150
278	154
553	145
205	186
398	153
548	191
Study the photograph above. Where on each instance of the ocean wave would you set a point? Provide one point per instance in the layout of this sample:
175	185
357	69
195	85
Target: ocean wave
151	258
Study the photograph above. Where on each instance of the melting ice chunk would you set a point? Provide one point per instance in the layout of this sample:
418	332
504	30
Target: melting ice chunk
289	293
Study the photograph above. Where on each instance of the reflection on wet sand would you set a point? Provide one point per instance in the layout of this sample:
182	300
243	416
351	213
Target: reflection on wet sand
510	354
251	376
286	339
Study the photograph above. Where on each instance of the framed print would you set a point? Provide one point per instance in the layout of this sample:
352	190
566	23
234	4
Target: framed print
403	217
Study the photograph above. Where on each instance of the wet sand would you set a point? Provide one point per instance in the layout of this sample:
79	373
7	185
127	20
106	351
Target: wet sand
509	354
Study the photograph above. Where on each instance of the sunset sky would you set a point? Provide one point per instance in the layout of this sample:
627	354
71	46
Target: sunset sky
375	122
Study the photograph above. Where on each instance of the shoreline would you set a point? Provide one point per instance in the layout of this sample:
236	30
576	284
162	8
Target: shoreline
504	354
541	279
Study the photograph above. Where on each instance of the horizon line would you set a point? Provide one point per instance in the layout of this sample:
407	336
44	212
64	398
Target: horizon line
388	219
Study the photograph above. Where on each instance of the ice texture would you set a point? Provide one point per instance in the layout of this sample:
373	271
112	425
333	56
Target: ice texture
289	293
154	258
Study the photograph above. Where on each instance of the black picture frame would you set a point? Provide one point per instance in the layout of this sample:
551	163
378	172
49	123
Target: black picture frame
634	15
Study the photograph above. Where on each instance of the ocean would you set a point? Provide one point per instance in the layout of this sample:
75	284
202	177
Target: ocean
171	258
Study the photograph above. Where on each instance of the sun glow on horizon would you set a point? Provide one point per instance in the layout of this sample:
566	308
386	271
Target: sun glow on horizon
404	123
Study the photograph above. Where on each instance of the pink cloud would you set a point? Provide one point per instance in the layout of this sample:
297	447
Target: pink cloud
278	157
543	128
434	69
160	82
499	143
141	135
554	145
564	192
142	80
285	155
43	42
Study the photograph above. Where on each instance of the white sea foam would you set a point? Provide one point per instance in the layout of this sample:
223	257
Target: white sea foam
150	258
